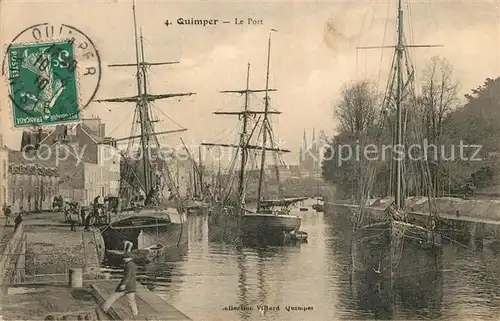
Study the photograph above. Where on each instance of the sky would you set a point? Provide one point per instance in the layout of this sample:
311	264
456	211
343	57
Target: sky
312	55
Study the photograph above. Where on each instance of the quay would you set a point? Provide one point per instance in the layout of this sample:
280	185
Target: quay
150	305
37	273
32	303
475	222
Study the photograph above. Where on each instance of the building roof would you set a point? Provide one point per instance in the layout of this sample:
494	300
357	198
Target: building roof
20	162
84	128
89	132
28	158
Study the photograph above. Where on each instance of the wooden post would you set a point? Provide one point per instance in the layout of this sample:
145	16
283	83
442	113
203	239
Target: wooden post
76	277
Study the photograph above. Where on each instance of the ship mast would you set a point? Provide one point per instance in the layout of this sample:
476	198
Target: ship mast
244	145
265	127
399	197
243	138
400	49
142	100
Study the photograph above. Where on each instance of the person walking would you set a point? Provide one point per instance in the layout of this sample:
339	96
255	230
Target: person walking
127	286
18	220
8	213
82	215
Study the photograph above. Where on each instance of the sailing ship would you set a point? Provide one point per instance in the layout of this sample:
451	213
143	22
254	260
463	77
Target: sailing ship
197	191
271	221
395	252
157	227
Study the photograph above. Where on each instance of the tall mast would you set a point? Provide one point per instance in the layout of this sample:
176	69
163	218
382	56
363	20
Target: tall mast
201	171
142	100
243	138
399	197
244	141
400	48
141	106
264	127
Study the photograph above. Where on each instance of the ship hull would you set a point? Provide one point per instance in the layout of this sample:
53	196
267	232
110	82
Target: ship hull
197	209
393	249
396	263
269	223
152	237
230	226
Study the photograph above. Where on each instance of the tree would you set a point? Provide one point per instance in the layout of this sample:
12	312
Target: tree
357	108
357	113
438	99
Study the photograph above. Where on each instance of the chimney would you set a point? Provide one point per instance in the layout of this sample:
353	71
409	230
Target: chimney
102	130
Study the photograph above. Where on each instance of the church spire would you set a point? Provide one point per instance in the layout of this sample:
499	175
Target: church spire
301	157
304	140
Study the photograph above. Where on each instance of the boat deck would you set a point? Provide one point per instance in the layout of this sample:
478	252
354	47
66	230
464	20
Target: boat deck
150	305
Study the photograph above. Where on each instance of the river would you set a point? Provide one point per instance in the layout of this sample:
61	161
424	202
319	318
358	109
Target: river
312	281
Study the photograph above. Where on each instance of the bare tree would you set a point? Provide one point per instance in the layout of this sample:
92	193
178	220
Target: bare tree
438	98
357	109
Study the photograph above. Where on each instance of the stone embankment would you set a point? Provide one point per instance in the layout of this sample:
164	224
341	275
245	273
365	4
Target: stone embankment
52	248
12	256
471	208
472	221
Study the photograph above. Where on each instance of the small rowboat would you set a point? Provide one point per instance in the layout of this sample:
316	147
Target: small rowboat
140	256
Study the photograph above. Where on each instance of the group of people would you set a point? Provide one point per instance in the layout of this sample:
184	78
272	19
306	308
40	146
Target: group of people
97	214
7	212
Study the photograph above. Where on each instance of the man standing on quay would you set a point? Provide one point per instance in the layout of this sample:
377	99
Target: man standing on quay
127	286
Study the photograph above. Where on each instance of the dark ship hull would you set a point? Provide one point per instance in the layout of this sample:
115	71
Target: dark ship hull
418	294
153	235
197	208
394	248
229	225
397	263
397	269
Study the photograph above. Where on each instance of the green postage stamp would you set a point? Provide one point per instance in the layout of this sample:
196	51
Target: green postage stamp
43	84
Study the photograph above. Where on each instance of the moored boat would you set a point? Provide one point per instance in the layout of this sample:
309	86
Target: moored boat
271	220
392	248
159	224
154	232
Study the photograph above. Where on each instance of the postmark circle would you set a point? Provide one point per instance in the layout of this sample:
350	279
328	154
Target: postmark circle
53	71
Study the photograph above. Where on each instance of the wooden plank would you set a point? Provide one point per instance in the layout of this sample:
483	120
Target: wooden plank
101	315
150	305
100	296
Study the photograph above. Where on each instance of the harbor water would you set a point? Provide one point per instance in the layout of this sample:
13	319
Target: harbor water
312	281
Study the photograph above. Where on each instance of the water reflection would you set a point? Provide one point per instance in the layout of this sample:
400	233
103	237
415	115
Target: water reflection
213	274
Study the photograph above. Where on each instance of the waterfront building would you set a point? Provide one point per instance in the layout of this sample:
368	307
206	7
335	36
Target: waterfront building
4	169
88	161
33	182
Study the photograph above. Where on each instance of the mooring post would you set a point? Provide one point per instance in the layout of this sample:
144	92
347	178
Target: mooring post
76	277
